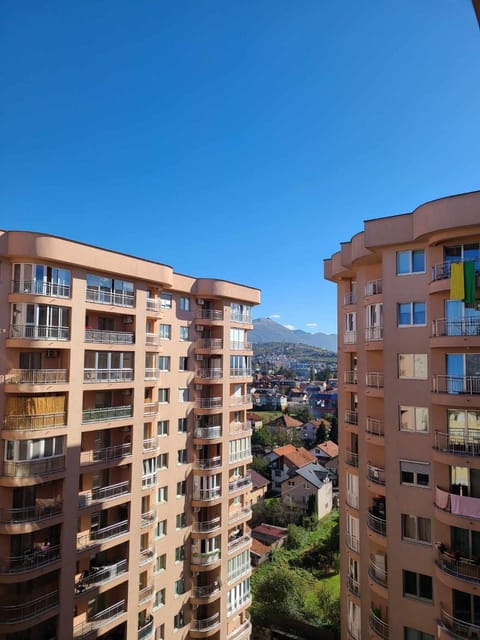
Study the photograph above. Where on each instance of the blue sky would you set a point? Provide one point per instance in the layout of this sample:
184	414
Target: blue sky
237	140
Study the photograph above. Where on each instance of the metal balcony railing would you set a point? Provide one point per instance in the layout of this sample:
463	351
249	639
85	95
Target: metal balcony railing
208	432
147	631
239	400
28	468
373	333
206	591
153	374
241	483
351	458
208	463
468	385
28	609
353	586
205	624
107	375
209	343
35	421
93	577
376	474
41	288
107	454
209	374
30	560
458	628
457	327
352	499
119	299
352	542
109	337
373	287
209	403
148	518
350	298
374	379
155	304
240	427
350	377
240	455
210	314
104	414
244	318
207	494
349	337
37	376
378	626
152	340
98	619
39	332
102	494
237	543
146	593
459	566
150	444
36	513
375	427
240	346
207	557
206	526
245	513
351	416
379	525
243	372
147	555
242	632
102	535
441	270
378	574
462	442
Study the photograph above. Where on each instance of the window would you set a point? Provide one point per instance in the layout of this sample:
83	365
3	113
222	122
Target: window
164	363
183	333
178	621
182	425
240	312
416	528
162	427
181	488
166	300
180	521
185	304
411	313
179	553
164	396
161	563
110	291
159	598
410	262
20	450
165	332
161	529
182	456
183	394
160	632
415	634
162	461
179	586
183	363
162	494
415	473
414	419
41	280
417	585
413	365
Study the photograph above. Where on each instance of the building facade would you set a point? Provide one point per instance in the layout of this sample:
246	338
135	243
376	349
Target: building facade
409	418
124	443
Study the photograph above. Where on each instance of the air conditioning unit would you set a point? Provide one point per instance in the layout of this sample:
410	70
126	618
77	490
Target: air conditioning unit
199	327
52	353
128	320
199	358
200	301
198	387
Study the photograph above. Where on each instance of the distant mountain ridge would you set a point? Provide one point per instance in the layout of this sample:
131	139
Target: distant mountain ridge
267	330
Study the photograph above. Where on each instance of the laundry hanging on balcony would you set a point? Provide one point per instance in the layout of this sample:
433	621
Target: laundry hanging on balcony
462	282
469	282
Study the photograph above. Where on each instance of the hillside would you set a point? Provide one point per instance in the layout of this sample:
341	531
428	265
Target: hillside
270	351
266	330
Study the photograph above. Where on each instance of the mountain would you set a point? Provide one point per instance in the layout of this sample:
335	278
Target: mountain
267	330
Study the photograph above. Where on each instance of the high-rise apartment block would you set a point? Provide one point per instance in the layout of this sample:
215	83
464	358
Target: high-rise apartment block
124	444
409	418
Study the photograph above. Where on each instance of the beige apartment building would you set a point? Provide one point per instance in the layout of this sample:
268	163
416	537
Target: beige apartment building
409	417
124	443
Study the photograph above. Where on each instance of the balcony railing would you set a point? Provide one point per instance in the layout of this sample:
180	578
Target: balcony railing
209	343
41	288
150	408
30	560
35	513
206	526
147	518
242	632
468	385
206	591
350	298
240	427
149	480
208	463
109	337
152	374
93	577
105	414
245	318
39	332
210	314
208	432
351	458
146	593
351	416
37	376
237	543
376	474
27	468
458	628
459	327
459	505
243	372
147	555
240	455
209	374
209	403
147	631
459	566
102	535
350	337
107	375
379	626
205	624
373	287
152	340
99	619
207	494
155	304
377	573
102	494
28	609
208	557
379	525
459	442
350	377
242	483
374	379
373	333
352	542
353	586
110	297
107	454
239	514
36	421
239	400
375	427
150	444
240	346
441	270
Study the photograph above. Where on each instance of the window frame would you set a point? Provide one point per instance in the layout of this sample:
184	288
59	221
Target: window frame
418	579
410	519
415	366
415	474
415	411
412	311
411	270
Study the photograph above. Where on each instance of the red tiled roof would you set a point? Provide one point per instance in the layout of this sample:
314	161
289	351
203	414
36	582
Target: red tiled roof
270	530
297	456
258	481
258	548
329	447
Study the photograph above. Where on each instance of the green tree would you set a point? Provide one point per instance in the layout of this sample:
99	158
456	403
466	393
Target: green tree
329	606
276	591
294	538
321	433
260	464
333	435
304	415
262	437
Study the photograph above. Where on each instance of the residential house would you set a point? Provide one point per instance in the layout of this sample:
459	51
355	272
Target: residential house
310	480
285	460
259	486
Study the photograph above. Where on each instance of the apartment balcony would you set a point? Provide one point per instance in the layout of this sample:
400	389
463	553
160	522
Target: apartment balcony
441	270
210	403
242	632
457	505
30	468
245	513
155	304
208	464
240	427
351	458
458	442
210	314
459	566
152	340
29	609
352	499
106	454
468	385
41	288
209	374
244	318
240	373
39	332
102	535
377	524
374	288
205	495
350	337
240	485
456	627
147	556
152	374
99	620
147	631
146	594
147	519
205	624
106	414
149	480
374	379
210	344
207	591
206	526
206	558
113	298
109	337
240	346
100	575
376	474
239	572
375	427
27	422
239	456
208	433
350	298
239	543
350	377
443	327
103	494
373	333
30	560
353	586
377	625
39	512
351	416
378	574
37	376
236	401
107	375
150	445
352	542
151	408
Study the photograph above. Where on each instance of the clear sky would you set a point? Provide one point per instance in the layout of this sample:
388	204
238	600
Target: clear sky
237	140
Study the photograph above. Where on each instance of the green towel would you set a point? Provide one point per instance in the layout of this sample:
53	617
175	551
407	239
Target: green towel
470	289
